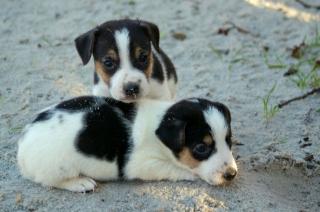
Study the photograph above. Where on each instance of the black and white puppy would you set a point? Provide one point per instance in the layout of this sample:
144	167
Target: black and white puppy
129	63
73	143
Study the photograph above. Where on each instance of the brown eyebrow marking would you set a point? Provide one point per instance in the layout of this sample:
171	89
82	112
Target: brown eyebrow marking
137	51
148	71
113	54
101	72
208	139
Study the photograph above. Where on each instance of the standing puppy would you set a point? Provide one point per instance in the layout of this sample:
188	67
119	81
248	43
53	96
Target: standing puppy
129	64
92	138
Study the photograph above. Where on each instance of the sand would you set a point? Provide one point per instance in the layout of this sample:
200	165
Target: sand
40	66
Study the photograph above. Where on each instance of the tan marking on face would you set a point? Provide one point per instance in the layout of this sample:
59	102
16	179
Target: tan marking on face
148	71
208	140
101	72
137	52
186	158
112	53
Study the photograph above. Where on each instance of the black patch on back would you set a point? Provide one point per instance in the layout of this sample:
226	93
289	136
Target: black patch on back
105	136
106	132
157	72
44	116
88	103
80	103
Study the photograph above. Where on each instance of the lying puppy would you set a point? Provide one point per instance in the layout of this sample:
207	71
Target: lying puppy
86	138
129	64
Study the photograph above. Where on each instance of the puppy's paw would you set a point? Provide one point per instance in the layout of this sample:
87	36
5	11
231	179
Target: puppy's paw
79	184
191	177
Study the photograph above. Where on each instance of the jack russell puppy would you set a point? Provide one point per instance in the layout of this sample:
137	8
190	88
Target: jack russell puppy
129	63
83	140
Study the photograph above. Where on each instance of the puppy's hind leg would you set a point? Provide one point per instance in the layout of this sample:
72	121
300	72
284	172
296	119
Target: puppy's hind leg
77	184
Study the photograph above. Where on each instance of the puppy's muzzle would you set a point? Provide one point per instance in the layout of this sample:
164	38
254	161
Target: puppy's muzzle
230	174
131	89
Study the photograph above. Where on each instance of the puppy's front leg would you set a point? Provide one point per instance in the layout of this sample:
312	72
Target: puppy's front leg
154	169
169	171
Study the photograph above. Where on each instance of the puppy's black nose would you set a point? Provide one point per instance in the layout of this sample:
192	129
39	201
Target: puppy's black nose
131	89
230	174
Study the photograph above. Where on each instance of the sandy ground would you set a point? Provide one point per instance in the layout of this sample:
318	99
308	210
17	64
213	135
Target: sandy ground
39	67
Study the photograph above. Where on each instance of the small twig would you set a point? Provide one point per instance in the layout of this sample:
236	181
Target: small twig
226	30
313	91
240	29
306	5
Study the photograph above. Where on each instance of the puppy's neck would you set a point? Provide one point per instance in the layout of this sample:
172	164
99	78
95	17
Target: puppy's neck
148	117
150	113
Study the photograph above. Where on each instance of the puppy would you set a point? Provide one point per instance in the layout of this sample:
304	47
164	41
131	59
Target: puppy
81	140
129	63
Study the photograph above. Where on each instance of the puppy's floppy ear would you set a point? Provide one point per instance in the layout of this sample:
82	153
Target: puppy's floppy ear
85	43
172	133
153	31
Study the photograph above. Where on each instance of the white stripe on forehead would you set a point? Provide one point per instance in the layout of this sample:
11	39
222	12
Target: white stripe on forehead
217	123
123	41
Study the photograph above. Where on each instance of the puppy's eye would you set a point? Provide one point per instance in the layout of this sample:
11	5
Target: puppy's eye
143	57
109	63
201	150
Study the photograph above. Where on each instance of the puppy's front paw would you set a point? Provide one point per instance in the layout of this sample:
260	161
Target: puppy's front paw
191	177
79	184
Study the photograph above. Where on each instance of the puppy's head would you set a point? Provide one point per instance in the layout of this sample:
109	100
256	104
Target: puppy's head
198	133
122	52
